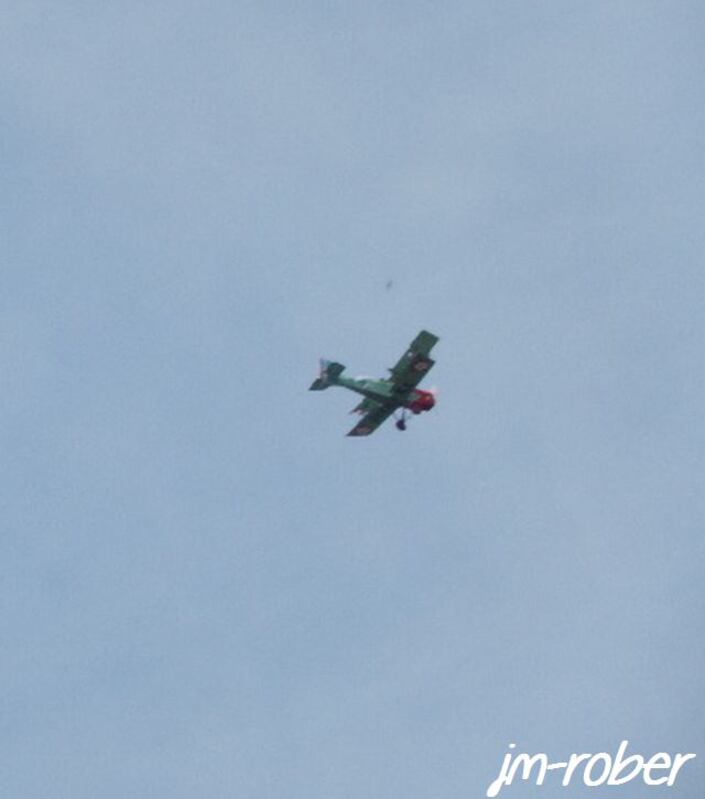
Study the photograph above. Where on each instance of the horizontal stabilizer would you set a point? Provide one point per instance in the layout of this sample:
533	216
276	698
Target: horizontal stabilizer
330	371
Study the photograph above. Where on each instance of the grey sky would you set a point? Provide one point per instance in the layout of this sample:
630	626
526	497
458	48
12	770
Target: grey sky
207	590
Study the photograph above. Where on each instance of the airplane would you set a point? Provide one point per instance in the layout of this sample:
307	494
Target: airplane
387	395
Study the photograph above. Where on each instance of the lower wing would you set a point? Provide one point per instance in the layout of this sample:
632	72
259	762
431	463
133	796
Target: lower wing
372	419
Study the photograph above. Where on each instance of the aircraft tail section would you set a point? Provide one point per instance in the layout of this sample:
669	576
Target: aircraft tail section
328	376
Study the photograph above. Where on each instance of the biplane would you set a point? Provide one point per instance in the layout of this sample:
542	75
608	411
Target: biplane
388	395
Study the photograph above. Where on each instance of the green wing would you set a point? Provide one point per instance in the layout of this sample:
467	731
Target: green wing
414	363
376	414
367	404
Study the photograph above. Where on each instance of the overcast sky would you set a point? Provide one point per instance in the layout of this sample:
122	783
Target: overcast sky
206	588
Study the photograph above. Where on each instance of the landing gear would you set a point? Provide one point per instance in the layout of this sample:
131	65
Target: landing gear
401	422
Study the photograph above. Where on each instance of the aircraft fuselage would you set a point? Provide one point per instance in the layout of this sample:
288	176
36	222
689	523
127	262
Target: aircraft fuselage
416	400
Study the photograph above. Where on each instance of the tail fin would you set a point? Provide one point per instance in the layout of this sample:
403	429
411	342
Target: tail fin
330	371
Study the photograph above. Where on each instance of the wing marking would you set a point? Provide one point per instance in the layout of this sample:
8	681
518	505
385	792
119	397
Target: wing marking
414	363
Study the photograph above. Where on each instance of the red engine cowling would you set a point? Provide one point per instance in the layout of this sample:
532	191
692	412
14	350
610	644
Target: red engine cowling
422	401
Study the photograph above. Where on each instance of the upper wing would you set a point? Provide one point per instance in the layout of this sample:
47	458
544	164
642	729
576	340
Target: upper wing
376	414
414	363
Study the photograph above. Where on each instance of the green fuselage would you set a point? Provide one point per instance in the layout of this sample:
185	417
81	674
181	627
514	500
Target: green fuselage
379	390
